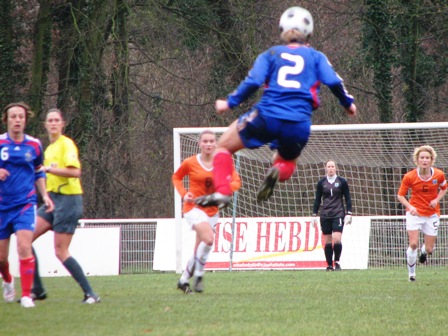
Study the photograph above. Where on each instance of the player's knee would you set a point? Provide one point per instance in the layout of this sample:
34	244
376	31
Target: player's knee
208	240
61	254
286	168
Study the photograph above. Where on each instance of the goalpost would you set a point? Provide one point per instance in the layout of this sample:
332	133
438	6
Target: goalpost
372	157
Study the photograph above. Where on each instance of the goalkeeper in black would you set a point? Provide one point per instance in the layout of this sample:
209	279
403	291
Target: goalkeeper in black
331	191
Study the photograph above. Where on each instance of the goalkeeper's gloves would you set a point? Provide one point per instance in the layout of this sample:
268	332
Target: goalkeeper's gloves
347	219
314	221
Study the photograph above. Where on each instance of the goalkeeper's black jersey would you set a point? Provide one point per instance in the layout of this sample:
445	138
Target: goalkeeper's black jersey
331	196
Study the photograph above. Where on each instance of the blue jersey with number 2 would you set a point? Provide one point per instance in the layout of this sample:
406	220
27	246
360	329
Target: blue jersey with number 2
21	160
292	76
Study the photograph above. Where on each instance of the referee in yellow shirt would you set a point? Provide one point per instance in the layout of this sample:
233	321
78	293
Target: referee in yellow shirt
63	169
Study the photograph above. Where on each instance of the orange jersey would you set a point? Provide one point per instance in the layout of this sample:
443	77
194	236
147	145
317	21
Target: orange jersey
423	191
200	182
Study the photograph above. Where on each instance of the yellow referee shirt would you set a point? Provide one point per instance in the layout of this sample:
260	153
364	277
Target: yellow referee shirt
61	154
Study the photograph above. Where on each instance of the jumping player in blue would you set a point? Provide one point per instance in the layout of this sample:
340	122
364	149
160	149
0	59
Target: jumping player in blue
21	160
291	75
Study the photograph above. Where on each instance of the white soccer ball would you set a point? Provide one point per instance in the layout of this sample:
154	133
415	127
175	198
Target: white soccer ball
297	18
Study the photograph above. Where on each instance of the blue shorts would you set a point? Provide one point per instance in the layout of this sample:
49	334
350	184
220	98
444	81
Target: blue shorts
286	136
66	214
16	219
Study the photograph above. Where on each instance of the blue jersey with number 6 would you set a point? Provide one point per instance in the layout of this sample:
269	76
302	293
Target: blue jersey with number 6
292	76
21	160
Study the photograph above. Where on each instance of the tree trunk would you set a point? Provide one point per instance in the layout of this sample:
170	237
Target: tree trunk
7	60
41	60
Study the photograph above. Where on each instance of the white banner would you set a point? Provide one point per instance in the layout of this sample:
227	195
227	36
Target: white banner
265	243
261	243
97	250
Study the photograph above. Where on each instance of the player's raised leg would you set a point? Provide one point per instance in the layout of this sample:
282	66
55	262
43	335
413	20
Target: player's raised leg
222	172
281	171
289	145
229	143
267	187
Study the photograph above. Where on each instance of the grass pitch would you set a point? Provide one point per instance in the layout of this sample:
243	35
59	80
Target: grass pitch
369	302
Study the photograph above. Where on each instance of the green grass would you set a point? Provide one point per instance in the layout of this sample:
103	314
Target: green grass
370	302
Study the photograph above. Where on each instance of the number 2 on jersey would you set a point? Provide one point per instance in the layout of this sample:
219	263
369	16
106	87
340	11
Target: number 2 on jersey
286	70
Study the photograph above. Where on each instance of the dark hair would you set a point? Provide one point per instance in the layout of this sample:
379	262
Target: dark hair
335	164
54	109
25	106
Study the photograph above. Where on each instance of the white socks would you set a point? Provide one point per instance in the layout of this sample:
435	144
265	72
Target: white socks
196	263
201	258
188	272
412	260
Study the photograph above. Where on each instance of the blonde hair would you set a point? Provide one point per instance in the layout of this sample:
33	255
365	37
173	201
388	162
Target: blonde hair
28	113
425	148
293	35
207	131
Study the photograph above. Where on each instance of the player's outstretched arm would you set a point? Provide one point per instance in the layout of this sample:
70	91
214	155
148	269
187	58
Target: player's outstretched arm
352	110
221	106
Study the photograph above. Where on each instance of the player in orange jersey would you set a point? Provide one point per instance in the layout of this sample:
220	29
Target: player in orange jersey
199	170
428	186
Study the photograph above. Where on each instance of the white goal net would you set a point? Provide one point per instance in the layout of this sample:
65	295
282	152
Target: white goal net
372	157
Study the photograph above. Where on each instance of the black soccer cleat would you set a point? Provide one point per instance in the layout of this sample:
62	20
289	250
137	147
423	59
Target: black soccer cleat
215	199
422	258
39	296
330	269
199	284
184	287
267	188
412	278
337	267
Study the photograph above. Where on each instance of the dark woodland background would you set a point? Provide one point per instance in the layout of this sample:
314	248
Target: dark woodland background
127	72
